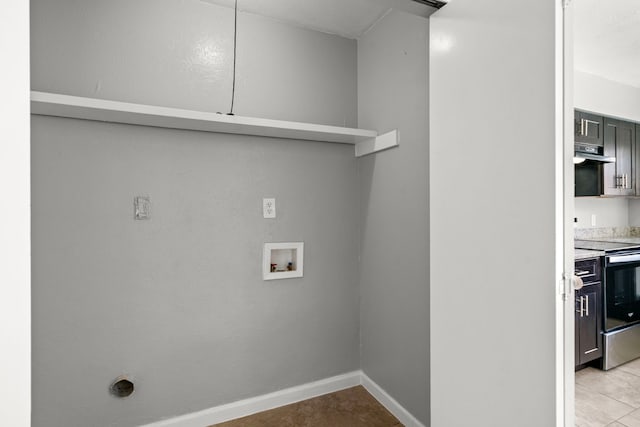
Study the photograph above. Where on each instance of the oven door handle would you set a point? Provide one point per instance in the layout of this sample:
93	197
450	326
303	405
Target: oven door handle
617	259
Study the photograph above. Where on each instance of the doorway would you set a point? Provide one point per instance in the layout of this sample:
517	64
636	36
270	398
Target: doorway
604	39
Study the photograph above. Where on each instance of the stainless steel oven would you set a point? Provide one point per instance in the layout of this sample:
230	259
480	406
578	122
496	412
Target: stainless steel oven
621	305
622	290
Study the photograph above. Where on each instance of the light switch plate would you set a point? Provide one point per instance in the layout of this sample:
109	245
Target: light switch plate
142	208
269	208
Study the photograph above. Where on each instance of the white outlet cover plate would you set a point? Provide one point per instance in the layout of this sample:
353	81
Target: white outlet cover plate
269	208
142	207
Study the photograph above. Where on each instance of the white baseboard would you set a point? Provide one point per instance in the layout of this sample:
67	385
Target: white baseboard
243	408
390	403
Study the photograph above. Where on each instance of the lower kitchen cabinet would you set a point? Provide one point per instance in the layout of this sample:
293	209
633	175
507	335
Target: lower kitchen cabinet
588	315
588	323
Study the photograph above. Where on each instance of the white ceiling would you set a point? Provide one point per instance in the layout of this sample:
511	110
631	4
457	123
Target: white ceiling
348	18
607	39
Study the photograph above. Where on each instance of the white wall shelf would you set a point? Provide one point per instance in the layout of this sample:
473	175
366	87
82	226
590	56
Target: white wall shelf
52	104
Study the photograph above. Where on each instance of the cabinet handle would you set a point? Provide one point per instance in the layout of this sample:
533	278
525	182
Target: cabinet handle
581	309
586	305
584	126
581	273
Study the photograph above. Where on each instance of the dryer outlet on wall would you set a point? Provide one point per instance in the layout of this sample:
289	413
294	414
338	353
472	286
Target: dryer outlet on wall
269	208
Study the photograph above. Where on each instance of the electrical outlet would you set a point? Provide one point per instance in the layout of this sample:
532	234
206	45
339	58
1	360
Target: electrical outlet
142	208
269	208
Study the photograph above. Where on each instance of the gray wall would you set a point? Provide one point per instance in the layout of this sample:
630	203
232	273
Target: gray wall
634	213
597	94
394	269
178	302
180	54
609	211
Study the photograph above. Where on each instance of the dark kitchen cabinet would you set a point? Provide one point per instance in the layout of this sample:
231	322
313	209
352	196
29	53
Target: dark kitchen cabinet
589	138
588	323
637	160
588	179
589	128
588	316
619	142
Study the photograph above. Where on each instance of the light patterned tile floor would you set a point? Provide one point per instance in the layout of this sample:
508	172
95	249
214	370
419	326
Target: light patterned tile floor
608	399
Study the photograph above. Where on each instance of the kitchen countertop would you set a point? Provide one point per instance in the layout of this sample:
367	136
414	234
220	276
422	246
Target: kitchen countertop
608	244
634	240
585	254
625	236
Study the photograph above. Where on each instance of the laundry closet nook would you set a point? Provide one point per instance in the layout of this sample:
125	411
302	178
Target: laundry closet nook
225	205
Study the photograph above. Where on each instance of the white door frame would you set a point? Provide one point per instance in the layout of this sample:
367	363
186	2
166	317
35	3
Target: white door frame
15	268
566	374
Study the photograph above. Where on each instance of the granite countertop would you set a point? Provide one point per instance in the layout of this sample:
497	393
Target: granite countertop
585	254
634	240
604	234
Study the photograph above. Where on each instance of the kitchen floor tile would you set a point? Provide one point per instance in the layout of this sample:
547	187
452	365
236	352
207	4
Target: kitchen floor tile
616	383
596	410
632	367
631	420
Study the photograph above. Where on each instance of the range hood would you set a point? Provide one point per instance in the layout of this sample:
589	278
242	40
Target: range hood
590	152
433	3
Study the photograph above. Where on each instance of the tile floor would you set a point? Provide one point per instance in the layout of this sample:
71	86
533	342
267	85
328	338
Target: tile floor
353	407
611	398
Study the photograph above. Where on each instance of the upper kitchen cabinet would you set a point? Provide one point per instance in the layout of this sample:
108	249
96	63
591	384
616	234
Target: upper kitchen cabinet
588	128
636	175
619	142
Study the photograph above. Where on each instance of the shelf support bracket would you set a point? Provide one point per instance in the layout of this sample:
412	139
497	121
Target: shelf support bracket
379	143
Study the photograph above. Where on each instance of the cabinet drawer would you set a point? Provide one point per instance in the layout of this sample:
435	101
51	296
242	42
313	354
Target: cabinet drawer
588	270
